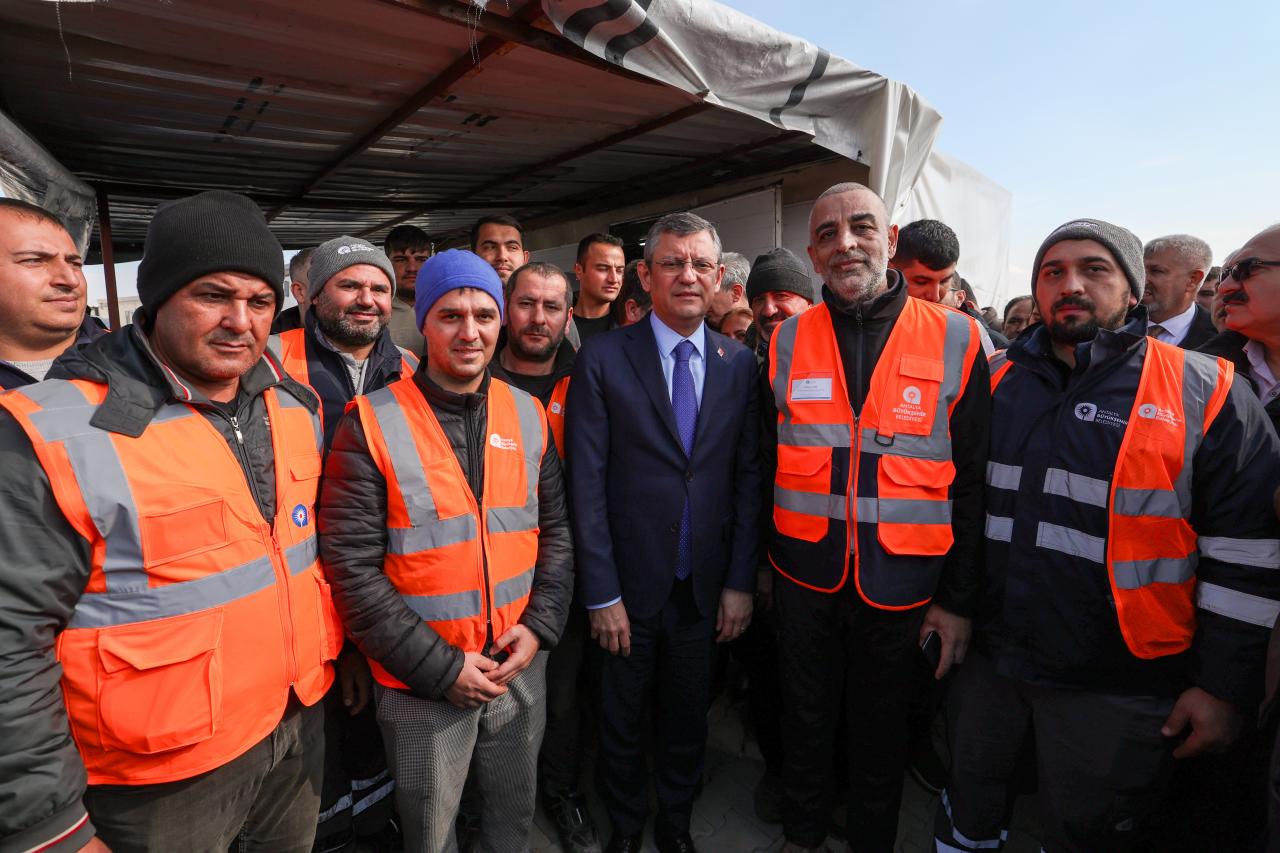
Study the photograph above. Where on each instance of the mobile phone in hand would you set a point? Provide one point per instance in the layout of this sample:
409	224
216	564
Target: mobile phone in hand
931	648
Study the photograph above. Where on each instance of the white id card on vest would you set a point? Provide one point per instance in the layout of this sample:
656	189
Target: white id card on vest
811	388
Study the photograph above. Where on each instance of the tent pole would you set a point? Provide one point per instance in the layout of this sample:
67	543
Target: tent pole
108	258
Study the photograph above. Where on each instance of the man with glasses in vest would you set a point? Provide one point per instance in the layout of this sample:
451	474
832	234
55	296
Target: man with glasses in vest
1131	561
456	573
876	418
166	628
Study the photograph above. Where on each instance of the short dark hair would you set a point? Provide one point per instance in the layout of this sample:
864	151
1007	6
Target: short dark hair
495	219
300	261
968	290
543	269
1012	302
404	237
631	289
930	242
585	244
31	211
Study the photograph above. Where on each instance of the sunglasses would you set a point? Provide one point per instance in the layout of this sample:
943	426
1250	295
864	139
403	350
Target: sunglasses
1242	269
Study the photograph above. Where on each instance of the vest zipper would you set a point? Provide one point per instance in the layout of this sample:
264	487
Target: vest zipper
857	374
484	531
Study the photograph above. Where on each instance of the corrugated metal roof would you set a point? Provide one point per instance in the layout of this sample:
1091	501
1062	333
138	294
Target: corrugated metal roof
164	97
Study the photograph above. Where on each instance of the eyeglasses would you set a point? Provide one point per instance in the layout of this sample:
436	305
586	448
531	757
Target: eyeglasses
675	266
1243	269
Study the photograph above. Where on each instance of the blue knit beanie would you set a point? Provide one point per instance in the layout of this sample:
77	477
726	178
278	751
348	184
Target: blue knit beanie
451	270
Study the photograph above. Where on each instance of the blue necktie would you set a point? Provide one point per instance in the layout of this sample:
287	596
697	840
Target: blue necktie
684	402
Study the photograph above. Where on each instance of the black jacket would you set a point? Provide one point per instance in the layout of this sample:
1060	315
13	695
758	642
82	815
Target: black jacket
11	377
1230	345
46	566
539	386
1049	616
352	518
861	334
1200	332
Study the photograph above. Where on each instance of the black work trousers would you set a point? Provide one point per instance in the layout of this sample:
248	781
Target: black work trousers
669	669
268	797
1101	760
560	761
834	650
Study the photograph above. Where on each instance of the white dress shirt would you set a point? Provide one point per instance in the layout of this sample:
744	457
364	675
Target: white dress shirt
1173	330
1260	372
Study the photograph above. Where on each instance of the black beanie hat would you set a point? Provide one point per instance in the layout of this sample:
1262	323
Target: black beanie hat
216	231
1123	245
779	270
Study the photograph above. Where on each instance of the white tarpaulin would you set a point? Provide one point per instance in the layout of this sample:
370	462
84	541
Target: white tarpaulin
28	172
736	62
980	211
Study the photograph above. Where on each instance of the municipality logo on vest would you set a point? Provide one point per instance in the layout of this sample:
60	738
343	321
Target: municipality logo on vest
911	394
502	443
301	517
1152	412
555	408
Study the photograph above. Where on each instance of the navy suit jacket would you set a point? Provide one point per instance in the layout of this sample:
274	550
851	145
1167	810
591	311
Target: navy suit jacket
629	474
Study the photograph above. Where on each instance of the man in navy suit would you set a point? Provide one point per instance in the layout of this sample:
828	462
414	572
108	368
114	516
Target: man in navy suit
665	494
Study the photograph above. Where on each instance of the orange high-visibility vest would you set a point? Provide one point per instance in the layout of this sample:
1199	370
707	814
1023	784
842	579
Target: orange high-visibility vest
874	490
199	616
555	413
1152	550
291	347
465	568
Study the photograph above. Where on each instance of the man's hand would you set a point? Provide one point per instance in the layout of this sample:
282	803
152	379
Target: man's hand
611	627
1215	723
521	645
354	679
734	614
473	687
764	587
95	845
952	630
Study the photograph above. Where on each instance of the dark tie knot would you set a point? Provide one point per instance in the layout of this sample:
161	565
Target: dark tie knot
684	351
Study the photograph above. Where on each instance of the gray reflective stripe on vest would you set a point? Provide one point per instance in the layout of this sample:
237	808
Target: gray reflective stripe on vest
1001	476
1160	503
288	401
1076	487
814	435
784	350
514	519
999	528
1139	573
954	347
1199	379
869	510
513	588
997	360
1260	553
935	447
811	503
428	530
1071	541
409	358
903	511
276	344
440	608
300	555
1234	604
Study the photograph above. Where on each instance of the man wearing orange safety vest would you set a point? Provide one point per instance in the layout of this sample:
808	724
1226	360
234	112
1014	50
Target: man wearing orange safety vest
167	629
877	413
457	570
1131	561
537	358
344	349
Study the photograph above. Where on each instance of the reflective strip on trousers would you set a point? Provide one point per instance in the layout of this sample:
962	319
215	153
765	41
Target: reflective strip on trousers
1000	476
999	528
1139	573
969	843
1071	541
105	609
1260	553
1234	604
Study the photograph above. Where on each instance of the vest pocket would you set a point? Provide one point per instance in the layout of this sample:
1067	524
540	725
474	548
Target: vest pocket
802	503
914	513
160	683
331	630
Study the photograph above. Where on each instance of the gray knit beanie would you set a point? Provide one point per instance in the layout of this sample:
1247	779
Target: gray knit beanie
334	256
779	270
1123	245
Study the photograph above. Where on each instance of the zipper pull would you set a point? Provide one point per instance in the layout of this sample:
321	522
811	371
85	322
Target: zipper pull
235	425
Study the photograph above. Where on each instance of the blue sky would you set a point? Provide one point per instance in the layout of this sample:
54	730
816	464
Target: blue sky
1162	117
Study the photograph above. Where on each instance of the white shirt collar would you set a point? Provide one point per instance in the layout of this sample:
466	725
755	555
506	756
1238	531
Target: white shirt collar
1175	328
1260	372
668	338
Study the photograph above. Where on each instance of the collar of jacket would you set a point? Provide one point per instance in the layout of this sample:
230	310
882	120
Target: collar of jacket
384	349
138	385
450	401
881	308
1034	349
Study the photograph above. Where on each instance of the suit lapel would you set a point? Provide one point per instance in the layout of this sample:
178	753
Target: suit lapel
715	381
642	352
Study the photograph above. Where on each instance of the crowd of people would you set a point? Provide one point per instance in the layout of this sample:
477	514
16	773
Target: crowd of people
387	567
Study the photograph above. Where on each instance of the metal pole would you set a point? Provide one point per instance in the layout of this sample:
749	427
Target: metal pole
108	258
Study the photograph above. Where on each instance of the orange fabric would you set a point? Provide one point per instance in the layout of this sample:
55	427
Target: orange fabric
902	401
1157	619
293	356
163	699
485	560
555	414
